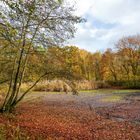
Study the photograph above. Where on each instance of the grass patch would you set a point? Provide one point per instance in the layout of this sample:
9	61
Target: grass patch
114	95
89	91
113	98
110	91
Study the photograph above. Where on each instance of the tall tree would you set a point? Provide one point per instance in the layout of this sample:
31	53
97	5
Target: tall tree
28	25
129	50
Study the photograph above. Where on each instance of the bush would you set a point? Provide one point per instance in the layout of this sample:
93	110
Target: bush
126	84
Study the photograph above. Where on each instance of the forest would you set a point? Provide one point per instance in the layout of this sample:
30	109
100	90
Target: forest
119	67
53	91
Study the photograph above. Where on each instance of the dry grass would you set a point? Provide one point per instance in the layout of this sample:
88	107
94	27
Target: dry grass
55	85
60	86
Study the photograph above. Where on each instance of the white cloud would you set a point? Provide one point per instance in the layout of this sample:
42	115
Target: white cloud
120	11
123	13
81	6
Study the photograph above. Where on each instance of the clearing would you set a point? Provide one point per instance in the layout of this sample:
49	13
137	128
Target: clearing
92	115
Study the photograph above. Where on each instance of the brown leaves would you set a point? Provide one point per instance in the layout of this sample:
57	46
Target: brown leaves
47	121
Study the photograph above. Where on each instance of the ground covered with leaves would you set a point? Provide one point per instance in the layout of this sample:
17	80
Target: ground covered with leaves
66	117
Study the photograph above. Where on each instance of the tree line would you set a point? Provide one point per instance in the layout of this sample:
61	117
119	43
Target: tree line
118	67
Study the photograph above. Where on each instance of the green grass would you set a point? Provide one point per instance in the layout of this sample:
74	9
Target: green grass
113	98
114	95
115	91
35	94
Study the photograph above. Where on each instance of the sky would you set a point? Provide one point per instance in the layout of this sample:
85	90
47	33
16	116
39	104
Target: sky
107	22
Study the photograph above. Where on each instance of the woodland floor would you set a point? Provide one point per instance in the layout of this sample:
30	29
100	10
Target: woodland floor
92	115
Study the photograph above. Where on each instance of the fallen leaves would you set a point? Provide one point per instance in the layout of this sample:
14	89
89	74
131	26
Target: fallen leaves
49	122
